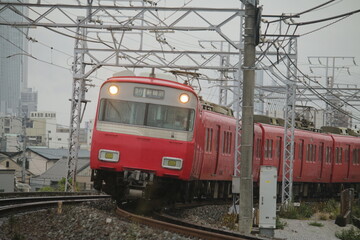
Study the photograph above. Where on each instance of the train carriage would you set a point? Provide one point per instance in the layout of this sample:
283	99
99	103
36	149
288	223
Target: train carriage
160	137
346	166
155	134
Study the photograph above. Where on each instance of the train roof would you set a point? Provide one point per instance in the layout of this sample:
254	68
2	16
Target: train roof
150	80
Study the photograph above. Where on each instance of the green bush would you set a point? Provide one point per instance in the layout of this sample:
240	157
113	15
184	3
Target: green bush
305	210
348	234
356	209
280	224
47	189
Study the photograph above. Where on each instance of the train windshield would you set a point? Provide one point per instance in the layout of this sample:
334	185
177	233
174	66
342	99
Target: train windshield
146	114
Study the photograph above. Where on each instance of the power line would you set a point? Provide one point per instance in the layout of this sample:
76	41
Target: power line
326	19
303	12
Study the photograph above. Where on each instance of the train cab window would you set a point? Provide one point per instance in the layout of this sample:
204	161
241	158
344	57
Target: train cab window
146	114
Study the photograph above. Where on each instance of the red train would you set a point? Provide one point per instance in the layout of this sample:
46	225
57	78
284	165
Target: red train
159	136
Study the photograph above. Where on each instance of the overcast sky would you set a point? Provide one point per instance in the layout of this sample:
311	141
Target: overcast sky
51	73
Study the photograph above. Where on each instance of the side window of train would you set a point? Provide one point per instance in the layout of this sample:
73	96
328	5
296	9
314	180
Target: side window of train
310	153
356	160
227	142
278	147
356	156
347	154
208	139
321	152
301	150
258	148
328	155
268	148
338	155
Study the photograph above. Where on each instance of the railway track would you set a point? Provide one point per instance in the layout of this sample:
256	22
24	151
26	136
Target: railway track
169	223
11	205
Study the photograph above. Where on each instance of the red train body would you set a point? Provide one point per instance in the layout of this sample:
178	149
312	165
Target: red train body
146	136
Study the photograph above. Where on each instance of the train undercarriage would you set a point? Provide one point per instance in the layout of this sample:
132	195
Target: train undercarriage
119	184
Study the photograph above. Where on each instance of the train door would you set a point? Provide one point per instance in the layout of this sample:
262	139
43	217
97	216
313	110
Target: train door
217	148
347	160
278	151
301	157
321	160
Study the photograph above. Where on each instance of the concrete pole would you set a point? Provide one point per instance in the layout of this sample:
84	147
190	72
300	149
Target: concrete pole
246	179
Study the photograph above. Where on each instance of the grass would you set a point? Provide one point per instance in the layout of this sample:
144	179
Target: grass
280	224
356	209
304	211
229	220
325	210
316	224
348	234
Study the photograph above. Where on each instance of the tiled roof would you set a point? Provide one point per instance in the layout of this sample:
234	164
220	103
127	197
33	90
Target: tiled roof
57	153
59	170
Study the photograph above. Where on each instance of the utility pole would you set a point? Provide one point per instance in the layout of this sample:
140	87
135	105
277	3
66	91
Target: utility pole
246	178
78	98
289	126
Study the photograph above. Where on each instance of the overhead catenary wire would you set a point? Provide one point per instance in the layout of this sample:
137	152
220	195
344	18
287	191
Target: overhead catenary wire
303	12
326	19
317	93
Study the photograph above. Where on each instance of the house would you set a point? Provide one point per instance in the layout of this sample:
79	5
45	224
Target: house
41	159
6	162
7	183
59	171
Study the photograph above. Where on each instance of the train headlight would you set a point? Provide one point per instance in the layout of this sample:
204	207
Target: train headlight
113	89
109	155
184	98
172	163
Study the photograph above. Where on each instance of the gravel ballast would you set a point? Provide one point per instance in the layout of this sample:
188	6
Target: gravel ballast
97	220
86	221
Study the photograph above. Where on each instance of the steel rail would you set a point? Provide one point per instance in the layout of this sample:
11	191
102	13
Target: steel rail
9	205
204	233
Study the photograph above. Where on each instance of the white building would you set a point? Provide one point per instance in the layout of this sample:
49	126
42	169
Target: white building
44	131
10	132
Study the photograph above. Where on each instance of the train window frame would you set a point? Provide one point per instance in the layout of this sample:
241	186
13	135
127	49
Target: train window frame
226	146
278	147
258	147
301	150
208	140
308	152
338	155
145	111
321	152
347	154
328	155
356	158
269	148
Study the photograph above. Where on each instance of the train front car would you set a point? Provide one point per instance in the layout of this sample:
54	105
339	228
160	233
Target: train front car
143	136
